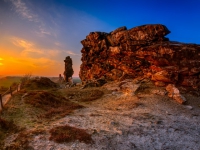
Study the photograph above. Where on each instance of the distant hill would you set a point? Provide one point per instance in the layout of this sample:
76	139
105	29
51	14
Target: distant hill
1	76
9	80
55	79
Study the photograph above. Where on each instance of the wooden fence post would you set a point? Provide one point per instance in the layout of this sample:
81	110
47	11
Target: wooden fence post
10	91
1	101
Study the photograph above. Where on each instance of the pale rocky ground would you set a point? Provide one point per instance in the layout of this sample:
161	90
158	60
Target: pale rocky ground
148	120
121	121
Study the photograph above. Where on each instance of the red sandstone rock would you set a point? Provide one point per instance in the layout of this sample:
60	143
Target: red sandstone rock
174	93
142	51
159	83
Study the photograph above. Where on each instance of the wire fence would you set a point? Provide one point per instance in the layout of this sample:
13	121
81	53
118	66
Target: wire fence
10	91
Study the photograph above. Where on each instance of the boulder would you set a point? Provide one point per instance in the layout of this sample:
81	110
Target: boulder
142	51
127	87
174	93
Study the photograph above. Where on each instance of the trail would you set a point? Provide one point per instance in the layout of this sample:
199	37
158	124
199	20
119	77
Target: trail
7	97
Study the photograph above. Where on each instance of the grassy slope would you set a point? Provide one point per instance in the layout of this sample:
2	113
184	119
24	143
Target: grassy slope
33	113
8	81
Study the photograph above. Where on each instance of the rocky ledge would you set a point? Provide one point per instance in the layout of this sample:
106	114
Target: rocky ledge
143	51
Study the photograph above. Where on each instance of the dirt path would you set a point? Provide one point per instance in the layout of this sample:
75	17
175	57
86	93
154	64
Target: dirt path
7	97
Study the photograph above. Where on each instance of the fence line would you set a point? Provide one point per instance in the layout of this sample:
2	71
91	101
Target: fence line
9	91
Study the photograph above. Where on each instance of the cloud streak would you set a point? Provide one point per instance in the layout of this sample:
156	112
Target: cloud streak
72	53
32	50
24	11
21	42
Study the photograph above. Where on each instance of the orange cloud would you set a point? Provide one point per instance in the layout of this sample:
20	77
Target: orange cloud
32	53
22	56
21	42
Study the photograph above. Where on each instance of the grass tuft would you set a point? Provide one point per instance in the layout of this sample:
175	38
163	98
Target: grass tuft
21	142
93	95
6	125
85	95
6	128
67	133
37	83
52	104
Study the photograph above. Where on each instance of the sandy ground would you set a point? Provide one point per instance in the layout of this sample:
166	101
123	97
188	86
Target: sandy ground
145	121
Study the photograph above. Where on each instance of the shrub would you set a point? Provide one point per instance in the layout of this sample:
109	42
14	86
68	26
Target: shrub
51	103
67	133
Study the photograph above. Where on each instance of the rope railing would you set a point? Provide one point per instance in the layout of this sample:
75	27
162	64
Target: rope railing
9	91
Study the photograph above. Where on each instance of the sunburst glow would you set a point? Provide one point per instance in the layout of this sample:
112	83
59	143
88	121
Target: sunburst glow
36	36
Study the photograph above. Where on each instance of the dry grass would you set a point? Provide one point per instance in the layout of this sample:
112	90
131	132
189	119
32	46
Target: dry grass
84	95
6	128
21	142
41	83
13	86
28	107
3	89
19	114
51	103
92	95
67	133
8	81
6	125
36	107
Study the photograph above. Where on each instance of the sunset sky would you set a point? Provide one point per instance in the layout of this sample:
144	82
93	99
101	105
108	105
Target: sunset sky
37	35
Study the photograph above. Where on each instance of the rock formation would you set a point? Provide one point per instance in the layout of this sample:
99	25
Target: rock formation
68	69
174	93
140	51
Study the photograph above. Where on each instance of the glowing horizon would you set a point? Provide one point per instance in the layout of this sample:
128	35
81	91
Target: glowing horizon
36	36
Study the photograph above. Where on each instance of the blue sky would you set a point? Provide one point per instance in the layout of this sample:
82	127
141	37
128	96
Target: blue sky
36	35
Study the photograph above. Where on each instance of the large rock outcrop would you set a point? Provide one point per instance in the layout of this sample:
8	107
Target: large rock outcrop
140	51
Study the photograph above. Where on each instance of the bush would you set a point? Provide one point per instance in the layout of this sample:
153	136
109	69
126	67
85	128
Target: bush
51	103
66	133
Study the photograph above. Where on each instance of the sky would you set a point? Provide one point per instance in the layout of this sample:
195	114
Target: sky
37	35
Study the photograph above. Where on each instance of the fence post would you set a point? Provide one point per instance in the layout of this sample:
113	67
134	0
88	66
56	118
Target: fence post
10	91
1	101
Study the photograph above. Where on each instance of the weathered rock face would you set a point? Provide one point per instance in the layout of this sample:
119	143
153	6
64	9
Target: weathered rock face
68	69
140	51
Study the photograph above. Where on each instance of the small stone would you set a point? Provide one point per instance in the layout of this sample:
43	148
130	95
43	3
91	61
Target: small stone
168	113
174	93
189	107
